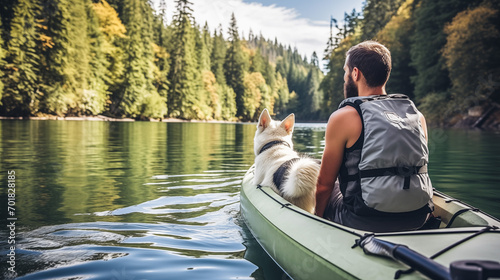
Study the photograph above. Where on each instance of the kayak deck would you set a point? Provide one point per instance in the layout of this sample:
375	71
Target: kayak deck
306	246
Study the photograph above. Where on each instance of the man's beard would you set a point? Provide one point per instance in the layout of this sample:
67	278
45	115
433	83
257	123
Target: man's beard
350	88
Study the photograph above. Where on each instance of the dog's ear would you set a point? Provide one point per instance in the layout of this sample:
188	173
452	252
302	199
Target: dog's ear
288	123
264	119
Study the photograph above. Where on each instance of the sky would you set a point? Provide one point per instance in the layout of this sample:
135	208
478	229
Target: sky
304	24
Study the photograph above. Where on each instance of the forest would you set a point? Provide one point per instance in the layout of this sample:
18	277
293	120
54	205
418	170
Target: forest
445	54
123	58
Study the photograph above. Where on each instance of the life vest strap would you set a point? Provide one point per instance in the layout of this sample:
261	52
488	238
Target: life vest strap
404	171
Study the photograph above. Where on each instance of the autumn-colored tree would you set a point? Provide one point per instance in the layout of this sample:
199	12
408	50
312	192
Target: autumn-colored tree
255	89
114	32
471	54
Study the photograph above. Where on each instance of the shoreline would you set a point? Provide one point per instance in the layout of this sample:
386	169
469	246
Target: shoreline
109	119
492	123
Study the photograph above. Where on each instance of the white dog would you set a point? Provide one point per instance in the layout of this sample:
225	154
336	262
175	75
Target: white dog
278	166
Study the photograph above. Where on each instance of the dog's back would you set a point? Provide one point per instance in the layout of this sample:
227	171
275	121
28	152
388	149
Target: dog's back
278	166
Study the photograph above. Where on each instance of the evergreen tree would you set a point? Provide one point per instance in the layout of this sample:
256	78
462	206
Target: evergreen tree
2	61
257	62
21	94
139	97
235	68
396	37
376	14
227	98
332	42
65	56
95	93
269	73
113	32
204	48
218	56
428	39
184	74
314	59
282	96
312	99
332	85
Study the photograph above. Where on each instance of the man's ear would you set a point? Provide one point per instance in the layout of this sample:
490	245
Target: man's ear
288	123
264	119
355	74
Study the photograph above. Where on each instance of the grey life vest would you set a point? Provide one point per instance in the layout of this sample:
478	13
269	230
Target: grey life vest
385	171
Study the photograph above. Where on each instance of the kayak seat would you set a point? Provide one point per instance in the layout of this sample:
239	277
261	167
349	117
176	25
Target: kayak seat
464	217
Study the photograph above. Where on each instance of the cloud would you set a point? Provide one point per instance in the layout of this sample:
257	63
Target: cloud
272	21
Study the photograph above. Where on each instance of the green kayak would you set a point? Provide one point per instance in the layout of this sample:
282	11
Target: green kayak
306	246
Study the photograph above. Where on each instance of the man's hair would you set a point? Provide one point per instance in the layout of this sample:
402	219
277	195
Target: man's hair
373	60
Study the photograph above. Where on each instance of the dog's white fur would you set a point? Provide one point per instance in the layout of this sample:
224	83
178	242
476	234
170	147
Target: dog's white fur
300	186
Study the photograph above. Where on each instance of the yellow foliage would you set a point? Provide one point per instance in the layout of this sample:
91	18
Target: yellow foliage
392	31
256	90
46	41
109	22
471	54
160	52
211	87
469	27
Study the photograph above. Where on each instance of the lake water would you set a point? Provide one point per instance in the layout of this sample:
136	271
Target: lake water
112	200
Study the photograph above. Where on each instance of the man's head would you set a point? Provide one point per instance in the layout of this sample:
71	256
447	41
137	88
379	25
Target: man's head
370	58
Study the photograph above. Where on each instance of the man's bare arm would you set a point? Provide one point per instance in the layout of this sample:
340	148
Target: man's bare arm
343	128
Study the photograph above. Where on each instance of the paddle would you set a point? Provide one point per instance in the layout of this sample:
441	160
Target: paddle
419	262
470	270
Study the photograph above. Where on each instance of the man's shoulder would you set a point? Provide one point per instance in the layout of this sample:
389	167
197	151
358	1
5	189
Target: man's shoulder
344	112
343	118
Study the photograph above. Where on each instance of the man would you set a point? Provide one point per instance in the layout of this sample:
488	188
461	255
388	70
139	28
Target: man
376	145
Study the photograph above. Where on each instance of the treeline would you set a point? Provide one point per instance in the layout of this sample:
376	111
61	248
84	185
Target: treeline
445	53
122	58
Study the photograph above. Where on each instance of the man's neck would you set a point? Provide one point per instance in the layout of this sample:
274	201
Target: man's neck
367	91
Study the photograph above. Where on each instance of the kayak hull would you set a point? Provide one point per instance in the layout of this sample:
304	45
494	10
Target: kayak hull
308	247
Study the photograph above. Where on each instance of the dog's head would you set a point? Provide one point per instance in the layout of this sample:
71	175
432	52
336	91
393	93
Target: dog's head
269	130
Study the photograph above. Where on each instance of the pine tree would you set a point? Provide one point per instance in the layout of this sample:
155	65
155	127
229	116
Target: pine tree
227	98
95	93
184	74
431	74
204	48
282	96
315	59
2	61
396	37
21	94
139	97
376	14
161	54
235	67
218	56
65	56
313	98
113	31
269	73
257	62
